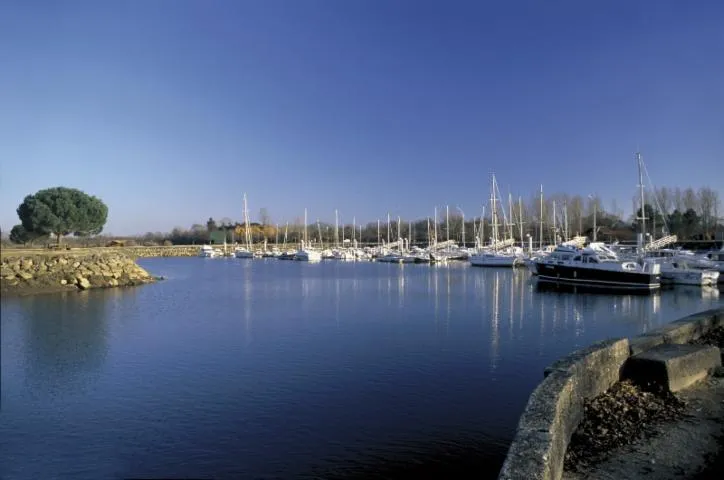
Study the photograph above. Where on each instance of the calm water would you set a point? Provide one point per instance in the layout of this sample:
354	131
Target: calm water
269	369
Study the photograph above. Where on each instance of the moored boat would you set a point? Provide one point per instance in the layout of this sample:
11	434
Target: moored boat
570	265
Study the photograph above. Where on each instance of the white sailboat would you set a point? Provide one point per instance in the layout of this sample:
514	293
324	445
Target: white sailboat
306	254
245	252
500	254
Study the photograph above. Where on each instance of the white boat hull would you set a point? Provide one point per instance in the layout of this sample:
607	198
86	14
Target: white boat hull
690	277
487	260
308	256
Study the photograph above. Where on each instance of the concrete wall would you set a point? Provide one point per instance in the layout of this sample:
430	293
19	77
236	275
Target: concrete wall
555	408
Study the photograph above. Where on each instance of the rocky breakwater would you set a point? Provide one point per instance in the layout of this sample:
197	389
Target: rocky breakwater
59	272
162	251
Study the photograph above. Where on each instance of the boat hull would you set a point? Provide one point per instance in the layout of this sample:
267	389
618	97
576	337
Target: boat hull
493	261
576	275
690	277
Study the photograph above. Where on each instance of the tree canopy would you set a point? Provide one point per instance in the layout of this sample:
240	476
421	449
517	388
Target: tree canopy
62	211
19	235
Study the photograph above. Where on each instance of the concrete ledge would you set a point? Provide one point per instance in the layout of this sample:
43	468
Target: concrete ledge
555	408
680	331
673	366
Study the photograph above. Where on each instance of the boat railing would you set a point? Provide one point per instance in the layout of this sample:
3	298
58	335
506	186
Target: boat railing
660	243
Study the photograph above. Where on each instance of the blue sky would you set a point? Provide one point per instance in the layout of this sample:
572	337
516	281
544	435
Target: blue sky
169	110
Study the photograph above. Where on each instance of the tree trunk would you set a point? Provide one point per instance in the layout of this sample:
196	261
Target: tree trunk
57	238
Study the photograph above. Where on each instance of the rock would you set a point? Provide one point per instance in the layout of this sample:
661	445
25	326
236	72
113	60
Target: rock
25	275
76	264
83	283
64	282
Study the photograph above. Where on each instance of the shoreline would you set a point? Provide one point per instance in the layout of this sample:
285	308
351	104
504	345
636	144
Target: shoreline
675	359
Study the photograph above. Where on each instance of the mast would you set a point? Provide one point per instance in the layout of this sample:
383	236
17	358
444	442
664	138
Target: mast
435	228
555	236
428	232
565	219
494	216
520	220
643	204
463	214
540	219
246	225
305	229
482	229
336	228
379	238
447	222
354	231
510	215
388	227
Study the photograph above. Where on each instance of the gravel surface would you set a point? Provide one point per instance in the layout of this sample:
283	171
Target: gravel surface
713	337
616	418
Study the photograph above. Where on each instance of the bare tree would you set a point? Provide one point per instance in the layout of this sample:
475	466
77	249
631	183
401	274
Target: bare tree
678	200
575	211
264	218
708	200
665	199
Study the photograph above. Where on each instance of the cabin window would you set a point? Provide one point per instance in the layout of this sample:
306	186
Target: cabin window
577	258
592	260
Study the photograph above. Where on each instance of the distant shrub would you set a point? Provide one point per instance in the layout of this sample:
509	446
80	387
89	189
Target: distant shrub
167	243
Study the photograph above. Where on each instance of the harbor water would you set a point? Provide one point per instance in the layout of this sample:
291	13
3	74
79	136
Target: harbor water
236	368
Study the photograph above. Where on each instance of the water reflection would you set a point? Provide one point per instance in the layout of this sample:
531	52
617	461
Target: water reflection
254	367
66	340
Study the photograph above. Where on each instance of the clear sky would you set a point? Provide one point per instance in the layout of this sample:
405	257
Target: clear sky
169	110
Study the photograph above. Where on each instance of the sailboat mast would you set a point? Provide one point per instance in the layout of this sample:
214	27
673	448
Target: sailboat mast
388	227
494	216
520	220
336	229
305	229
482	228
463	216
510	214
447	222
435	228
643	205
540	220
555	236
246	225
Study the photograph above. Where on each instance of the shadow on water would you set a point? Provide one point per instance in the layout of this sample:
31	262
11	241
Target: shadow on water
451	456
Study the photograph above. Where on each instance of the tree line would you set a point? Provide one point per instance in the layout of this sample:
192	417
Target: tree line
690	214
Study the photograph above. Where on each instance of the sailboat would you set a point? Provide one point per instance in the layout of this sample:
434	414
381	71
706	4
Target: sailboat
241	252
306	254
500	253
